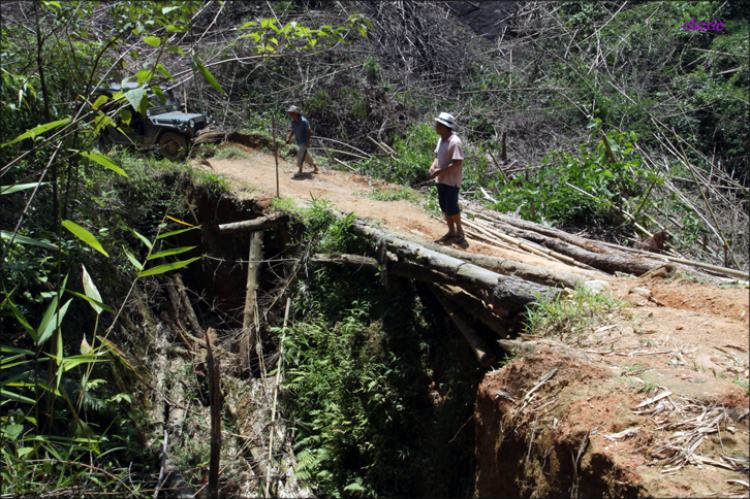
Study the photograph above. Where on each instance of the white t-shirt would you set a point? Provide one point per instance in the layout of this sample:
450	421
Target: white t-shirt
448	151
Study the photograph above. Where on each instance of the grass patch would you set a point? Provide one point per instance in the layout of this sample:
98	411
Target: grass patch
231	152
217	184
403	193
568	314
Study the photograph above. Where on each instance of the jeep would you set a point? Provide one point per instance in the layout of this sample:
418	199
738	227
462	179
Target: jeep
165	127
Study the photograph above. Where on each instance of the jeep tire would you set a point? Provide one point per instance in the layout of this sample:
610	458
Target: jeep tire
173	146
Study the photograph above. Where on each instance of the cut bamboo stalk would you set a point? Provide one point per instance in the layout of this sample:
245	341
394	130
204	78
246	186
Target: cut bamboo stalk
530	248
497	164
341	152
344	165
380	146
491	238
363	153
523	270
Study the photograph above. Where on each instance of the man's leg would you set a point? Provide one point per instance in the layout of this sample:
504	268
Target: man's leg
448	219
453	211
301	152
457	220
451	226
309	160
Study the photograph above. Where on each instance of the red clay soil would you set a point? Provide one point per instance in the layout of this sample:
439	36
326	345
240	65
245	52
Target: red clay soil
590	430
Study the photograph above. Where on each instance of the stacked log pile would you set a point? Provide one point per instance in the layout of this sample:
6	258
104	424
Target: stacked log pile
559	245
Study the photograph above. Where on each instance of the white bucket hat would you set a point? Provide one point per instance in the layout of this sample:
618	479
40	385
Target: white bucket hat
445	119
293	109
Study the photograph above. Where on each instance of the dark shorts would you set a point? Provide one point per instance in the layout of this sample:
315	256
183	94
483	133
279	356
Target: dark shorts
448	199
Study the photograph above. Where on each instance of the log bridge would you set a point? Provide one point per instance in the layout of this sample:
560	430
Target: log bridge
476	288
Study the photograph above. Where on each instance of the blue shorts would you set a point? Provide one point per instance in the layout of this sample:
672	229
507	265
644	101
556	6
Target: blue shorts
448	199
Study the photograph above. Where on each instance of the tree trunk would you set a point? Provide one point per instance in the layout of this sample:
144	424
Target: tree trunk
509	292
509	267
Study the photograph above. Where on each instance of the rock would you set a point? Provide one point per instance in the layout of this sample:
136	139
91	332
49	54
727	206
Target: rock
597	286
646	293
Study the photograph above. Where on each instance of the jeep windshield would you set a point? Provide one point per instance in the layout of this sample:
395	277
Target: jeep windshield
171	104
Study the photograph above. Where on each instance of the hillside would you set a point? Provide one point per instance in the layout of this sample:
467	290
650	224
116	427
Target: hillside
173	328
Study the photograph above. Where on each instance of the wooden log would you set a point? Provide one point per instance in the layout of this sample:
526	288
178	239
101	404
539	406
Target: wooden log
484	356
259	223
510	267
476	308
606	262
509	292
395	268
215	397
365	262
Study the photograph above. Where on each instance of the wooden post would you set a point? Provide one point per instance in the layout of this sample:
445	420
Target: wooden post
275	152
214	395
253	266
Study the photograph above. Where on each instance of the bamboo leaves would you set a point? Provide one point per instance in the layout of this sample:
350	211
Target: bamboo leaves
167	267
30	134
104	161
84	235
92	294
207	75
160	269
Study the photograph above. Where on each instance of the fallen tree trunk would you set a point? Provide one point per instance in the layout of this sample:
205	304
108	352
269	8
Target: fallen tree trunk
607	262
399	269
510	267
485	357
445	283
259	223
509	292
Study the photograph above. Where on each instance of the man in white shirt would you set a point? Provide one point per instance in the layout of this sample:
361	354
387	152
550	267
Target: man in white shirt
447	169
